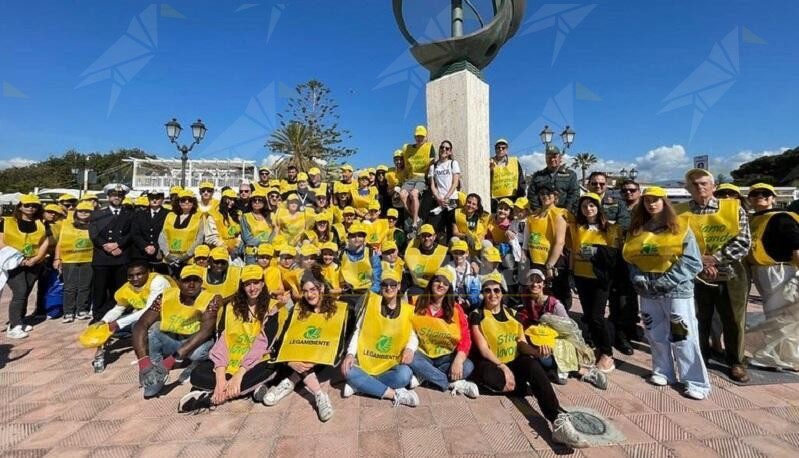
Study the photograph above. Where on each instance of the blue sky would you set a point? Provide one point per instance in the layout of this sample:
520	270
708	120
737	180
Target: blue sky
640	82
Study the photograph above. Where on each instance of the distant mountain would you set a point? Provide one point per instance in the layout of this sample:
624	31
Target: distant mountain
782	169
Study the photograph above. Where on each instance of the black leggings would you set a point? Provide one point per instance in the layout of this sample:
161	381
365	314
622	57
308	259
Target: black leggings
594	299
527	371
203	377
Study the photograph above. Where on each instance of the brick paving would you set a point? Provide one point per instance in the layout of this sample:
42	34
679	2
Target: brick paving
52	404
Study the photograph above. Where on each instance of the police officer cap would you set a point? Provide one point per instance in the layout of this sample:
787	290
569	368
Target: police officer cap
115	187
552	149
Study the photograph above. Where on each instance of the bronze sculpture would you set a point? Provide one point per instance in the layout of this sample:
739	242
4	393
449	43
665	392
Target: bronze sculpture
473	51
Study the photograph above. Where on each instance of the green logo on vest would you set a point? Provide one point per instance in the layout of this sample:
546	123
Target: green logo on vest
175	245
649	249
535	238
81	244
418	270
312	333
383	344
363	277
27	250
231	231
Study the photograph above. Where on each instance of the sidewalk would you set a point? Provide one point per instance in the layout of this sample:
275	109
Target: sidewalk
52	404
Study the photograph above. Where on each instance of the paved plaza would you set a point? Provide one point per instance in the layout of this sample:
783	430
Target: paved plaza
52	404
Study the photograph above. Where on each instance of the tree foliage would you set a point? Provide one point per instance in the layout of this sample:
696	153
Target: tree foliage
309	129
583	162
775	170
56	171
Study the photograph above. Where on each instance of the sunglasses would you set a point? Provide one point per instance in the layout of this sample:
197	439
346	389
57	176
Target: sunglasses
441	280
389	284
30	205
263	173
258	200
597	183
186	199
446	148
760	194
219	261
244	191
494	290
159	197
206	190
500	147
200	258
629	190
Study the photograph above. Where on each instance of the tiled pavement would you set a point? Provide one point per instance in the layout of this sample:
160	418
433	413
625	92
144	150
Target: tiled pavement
52	404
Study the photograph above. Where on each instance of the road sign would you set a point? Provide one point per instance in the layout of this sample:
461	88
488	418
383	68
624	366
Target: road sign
701	162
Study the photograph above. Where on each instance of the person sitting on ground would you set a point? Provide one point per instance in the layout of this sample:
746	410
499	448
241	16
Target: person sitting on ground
241	359
467	281
221	277
178	325
506	363
664	259
382	346
444	340
313	340
423	258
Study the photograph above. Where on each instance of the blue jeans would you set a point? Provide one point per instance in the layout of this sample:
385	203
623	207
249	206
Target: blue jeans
162	345
398	376
436	370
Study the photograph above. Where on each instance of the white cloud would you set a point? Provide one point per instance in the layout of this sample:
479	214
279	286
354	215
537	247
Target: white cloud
15	162
661	163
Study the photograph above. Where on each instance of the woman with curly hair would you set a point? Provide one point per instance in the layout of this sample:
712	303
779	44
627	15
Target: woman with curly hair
241	359
312	340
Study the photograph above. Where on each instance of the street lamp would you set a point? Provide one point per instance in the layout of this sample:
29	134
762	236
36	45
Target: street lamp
546	135
623	173
633	173
173	130
568	138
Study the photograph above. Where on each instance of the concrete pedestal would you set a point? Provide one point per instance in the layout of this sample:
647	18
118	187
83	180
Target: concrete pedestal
457	110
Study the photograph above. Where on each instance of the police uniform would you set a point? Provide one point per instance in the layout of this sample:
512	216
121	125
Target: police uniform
562	180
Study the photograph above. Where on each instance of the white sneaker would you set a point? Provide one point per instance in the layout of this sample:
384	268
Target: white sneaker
693	394
27	328
68	318
565	433
414	382
658	380
464	387
348	390
405	397
323	407
596	378
17	333
83	316
278	392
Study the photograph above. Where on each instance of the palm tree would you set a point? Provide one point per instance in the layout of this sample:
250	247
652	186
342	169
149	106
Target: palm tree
298	146
583	161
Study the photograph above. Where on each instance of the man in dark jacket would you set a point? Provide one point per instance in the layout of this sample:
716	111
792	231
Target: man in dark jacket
556	176
144	231
109	231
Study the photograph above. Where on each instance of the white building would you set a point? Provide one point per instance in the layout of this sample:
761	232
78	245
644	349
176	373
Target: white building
162	174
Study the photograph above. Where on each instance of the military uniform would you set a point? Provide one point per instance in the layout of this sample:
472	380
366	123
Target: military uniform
616	211
563	180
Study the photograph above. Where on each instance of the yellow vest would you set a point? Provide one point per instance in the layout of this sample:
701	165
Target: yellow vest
417	158
378	232
478	233
180	240
542	233
228	232
75	245
497	233
314	339
332	274
285	186
273	278
505	179
259	228
291	226
582	236
55	235
422	267
27	244
128	296
227	288
712	231
436	336
654	252
501	336
239	337
361	202
291	279
758	224
395	178
382	340
182	319
357	274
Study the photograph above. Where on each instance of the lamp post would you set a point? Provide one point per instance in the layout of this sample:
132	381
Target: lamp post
567	136
546	136
633	173
623	173
173	129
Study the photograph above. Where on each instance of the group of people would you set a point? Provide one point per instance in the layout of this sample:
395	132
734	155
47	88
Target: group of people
396	278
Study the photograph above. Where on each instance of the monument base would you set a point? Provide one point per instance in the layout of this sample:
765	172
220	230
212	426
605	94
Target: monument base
457	110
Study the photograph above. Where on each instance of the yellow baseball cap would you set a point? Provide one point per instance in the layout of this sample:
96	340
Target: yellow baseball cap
252	273
264	167
398	153
175	189
260	192
427	229
459	245
30	199
314	171
88	196
374	205
654	191
288	250
729	187
186	193
331	246
323	217
390	274
55	208
763	186
192	270
272	190
593	196
128	201
142	201
302	176
206	184
202	251
309	250
388	245
84	206
357	228
505	201
522	203
392	213
381	168
265	249
445	272
347	167
493	277
348	211
220	253
64	197
229	193
292	197
491	254
420	130
542	335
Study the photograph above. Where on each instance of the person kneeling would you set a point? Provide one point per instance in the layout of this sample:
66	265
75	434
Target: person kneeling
240	359
178	325
506	362
312	340
383	345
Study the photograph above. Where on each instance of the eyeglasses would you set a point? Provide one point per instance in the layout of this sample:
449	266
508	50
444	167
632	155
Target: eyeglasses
760	194
244	191
446	148
629	190
219	261
502	147
206	190
263	172
598	183
30	205
185	200
258	200
200	259
389	284
494	290
151	198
